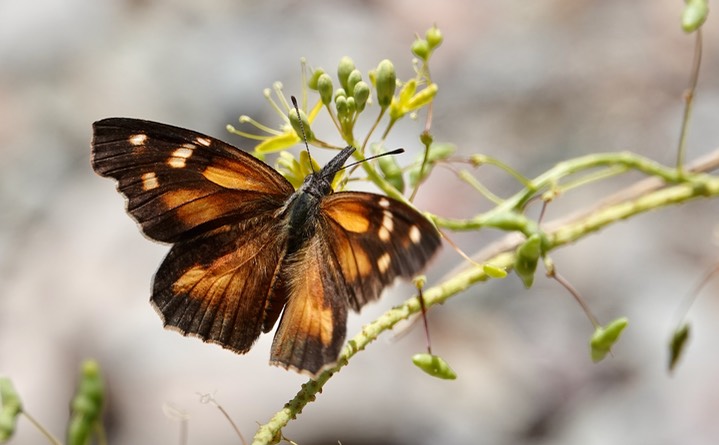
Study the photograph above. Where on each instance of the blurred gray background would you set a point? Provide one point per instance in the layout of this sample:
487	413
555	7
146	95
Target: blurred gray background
531	83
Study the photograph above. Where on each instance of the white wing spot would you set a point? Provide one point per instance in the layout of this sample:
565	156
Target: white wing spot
203	141
137	139
180	156
383	262
387	226
149	181
384	202
414	234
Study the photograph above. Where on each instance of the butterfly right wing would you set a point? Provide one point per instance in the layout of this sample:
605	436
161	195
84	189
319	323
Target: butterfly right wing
180	183
222	286
218	205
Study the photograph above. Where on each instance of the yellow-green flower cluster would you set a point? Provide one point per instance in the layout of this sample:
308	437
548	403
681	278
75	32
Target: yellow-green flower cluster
345	97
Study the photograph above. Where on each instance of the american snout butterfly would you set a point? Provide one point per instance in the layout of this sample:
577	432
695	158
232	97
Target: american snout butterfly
247	247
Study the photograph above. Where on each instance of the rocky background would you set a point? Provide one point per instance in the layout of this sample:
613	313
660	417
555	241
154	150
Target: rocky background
531	83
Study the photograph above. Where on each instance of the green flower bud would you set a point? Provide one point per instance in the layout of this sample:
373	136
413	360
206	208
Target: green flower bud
426	138
434	365
361	94
341	105
351	105
694	14
434	37
301	129
316	74
604	338
10	409
420	48
325	88
528	254
354	77
676	345
345	67
386	83
340	92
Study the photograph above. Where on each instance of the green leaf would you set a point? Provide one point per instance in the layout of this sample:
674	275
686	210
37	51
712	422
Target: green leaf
10	409
86	405
528	254
694	15
605	337
434	365
677	344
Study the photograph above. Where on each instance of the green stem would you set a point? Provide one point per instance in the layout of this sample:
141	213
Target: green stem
52	439
689	100
563	169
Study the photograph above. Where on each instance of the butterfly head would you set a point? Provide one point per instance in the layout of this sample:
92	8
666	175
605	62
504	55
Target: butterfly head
320	183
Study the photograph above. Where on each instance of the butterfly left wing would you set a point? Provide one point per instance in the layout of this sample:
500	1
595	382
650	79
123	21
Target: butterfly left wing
375	239
364	241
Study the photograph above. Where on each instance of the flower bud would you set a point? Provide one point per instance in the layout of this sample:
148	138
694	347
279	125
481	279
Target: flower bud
325	88
361	94
345	67
386	83
351	105
434	37
341	105
354	77
301	129
316	74
420	48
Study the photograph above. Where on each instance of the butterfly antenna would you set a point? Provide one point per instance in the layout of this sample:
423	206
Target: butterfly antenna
389	153
302	129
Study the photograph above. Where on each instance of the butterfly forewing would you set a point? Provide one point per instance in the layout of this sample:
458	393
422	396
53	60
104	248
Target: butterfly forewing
179	181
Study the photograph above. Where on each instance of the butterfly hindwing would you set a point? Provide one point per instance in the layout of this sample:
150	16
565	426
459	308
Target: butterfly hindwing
179	182
375	239
222	286
314	322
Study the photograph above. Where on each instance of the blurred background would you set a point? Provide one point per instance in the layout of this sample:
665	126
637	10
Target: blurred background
530	83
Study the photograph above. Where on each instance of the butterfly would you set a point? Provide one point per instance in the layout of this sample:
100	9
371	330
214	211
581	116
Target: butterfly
247	249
